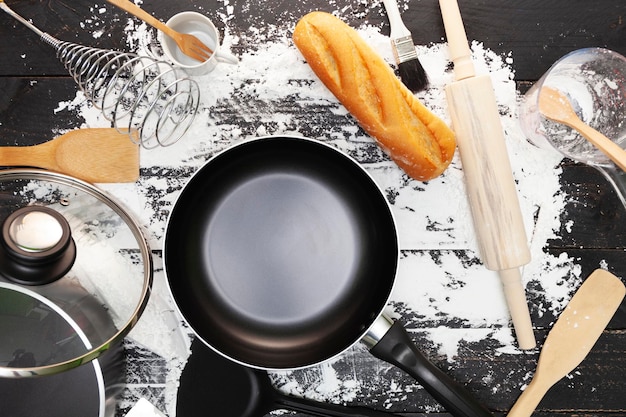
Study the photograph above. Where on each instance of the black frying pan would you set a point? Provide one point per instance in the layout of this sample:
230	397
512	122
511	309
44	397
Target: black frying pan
232	390
281	253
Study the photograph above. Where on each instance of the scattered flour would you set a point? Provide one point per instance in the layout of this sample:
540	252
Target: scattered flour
439	274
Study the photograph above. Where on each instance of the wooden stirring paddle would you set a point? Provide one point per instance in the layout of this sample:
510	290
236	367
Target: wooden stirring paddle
572	337
93	155
556	106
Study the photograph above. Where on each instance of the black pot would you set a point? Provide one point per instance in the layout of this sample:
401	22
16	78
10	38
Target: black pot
87	391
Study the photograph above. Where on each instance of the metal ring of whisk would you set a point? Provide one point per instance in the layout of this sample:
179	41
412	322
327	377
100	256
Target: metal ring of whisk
151	94
136	93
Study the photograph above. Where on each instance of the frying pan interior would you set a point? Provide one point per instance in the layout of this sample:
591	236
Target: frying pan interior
280	252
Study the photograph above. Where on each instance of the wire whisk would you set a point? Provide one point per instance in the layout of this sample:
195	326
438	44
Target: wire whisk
135	93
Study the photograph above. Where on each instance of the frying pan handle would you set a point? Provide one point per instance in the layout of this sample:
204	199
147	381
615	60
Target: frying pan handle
396	347
324	409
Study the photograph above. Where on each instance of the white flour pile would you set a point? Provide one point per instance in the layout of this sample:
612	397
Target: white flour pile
439	278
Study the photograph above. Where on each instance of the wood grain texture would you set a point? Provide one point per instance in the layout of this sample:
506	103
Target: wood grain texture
93	155
572	337
536	32
489	178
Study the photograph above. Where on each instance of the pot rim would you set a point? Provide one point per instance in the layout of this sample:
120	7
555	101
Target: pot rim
27	372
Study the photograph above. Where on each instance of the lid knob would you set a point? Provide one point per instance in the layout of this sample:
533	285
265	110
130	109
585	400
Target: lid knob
36	246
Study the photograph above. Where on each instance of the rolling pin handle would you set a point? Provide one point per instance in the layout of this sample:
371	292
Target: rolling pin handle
518	307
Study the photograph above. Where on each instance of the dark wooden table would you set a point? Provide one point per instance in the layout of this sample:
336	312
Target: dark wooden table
535	33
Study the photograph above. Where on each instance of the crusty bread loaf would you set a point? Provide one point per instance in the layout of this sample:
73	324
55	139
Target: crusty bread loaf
417	140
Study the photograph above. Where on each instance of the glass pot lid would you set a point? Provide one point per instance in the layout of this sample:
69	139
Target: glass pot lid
79	391
84	260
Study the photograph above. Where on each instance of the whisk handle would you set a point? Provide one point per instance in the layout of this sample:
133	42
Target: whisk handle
26	23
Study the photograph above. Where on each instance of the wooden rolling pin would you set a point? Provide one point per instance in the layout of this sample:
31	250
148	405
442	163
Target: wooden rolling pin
488	176
93	155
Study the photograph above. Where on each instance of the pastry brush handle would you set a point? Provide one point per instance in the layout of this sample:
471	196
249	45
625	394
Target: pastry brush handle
460	53
398	29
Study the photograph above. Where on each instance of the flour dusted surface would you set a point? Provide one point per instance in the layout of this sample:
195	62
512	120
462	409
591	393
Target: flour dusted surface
447	299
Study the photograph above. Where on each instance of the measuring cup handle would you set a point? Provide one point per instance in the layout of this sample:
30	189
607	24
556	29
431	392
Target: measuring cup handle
226	57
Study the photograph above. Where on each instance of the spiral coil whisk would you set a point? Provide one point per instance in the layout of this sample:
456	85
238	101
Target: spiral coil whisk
135	93
132	91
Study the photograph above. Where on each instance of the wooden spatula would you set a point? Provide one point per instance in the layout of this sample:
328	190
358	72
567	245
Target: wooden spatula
556	106
93	155
572	337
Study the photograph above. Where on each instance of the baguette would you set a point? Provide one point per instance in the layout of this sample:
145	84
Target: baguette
416	139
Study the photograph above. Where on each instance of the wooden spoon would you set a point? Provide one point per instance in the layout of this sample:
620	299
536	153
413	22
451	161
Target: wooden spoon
555	106
93	155
572	337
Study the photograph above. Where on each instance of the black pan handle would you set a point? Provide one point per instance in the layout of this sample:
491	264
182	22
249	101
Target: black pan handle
324	409
395	346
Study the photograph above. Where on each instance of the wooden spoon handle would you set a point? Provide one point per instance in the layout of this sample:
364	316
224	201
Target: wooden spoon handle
606	145
39	156
137	11
529	400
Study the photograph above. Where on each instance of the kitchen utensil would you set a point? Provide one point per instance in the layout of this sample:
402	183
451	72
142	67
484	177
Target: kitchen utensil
410	68
135	93
488	176
203	28
88	390
104	264
281	252
573	335
593	81
235	390
93	155
189	44
556	106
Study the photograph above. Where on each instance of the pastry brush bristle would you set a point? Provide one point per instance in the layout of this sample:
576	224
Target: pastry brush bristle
411	71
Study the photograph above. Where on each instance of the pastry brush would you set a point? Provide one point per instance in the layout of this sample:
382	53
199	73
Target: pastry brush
488	176
411	71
